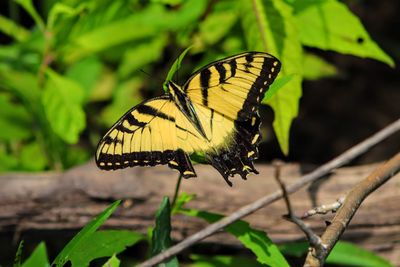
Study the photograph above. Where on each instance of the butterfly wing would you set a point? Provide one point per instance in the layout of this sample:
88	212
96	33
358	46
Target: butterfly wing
233	88
235	85
147	135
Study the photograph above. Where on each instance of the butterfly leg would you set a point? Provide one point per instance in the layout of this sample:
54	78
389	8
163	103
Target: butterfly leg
182	163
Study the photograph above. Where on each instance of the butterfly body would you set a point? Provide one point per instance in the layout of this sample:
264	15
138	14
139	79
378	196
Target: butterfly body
215	113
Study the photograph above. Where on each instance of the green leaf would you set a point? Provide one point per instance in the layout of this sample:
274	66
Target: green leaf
269	26
86	72
12	29
28	6
65	255
112	262
62	101
347	254
182	199
33	158
223	261
174	68
102	244
278	84
18	255
38	258
314	67
330	25
148	23
211	29
344	253
126	96
8	162
15	122
141	55
257	241
161	239
295	249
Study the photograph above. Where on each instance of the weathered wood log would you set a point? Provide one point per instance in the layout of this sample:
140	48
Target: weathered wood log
69	200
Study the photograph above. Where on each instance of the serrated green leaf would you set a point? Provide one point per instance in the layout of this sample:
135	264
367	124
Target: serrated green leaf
65	255
257	241
112	262
314	67
12	29
223	261
161	239
330	25
62	101
102	244
175	67
38	258
269	26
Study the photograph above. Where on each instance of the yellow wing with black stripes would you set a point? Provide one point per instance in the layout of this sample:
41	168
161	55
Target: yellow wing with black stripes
214	113
234	86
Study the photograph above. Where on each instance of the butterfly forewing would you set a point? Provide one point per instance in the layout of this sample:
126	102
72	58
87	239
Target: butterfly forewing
234	86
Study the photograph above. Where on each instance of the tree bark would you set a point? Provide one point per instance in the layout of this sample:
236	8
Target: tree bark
51	201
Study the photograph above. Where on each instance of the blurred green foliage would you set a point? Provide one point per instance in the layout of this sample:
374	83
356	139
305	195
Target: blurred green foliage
72	68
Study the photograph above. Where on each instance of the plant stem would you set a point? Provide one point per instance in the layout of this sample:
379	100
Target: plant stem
177	187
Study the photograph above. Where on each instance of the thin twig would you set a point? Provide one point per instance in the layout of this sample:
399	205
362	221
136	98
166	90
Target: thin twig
313	238
324	209
352	202
266	200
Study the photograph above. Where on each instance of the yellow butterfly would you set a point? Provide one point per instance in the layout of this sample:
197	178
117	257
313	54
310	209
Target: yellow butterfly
215	113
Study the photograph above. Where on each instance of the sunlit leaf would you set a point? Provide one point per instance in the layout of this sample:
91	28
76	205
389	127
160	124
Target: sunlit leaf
112	262
11	28
257	241
33	158
102	244
141	55
314	67
38	258
330	25
269	26
62	101
223	261
15	122
344	253
65	255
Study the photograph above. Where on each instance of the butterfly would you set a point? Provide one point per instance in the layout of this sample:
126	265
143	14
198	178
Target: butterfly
214	113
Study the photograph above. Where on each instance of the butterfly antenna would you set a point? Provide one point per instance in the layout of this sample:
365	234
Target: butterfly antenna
141	70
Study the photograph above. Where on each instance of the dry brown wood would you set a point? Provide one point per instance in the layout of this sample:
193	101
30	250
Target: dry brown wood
69	200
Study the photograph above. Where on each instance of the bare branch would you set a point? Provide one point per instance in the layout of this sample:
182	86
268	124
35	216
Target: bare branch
324	209
351	204
314	239
252	207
